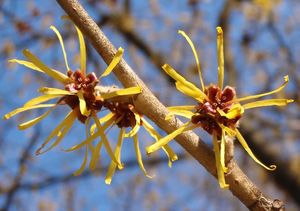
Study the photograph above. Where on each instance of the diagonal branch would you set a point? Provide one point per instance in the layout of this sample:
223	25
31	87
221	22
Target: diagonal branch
148	104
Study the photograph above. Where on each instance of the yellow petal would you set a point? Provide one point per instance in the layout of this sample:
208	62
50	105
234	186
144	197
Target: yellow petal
92	137
82	50
34	121
136	128
112	166
82	104
26	64
170	153
220	172
139	156
19	110
190	92
246	147
162	142
286	80
54	91
234	111
62	45
121	92
95	155
50	72
105	141
94	150
81	168
102	120
113	63
177	77
222	152
184	113
269	102
195	55
185	107
61	130
41	99
220	49
228	130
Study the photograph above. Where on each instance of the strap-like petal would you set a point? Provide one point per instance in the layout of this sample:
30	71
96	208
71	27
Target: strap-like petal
82	104
34	121
50	72
220	172
113	166
285	82
269	102
195	56
249	151
139	156
113	63
121	92
19	110
220	50
62	45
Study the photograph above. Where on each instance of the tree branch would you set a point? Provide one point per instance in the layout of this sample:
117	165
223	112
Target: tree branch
149	105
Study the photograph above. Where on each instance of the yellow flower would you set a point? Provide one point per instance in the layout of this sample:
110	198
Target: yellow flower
79	93
217	111
124	116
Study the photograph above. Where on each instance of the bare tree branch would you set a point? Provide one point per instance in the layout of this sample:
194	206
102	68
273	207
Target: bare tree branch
148	104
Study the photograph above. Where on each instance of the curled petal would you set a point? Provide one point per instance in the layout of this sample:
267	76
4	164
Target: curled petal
220	172
222	152
177	77
185	113
113	166
96	155
286	80
195	55
220	50
30	65
54	91
269	102
246	147
113	63
82	50
50	72
81	168
92	137
82	104
170	153
102	120
62	45
136	128
121	92
19	110
34	121
190	92
162	142
61	130
105	141
41	99
228	130
235	111
139	156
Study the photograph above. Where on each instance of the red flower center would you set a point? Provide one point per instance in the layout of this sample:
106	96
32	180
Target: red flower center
206	114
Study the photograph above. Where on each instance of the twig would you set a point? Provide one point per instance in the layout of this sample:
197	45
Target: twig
149	105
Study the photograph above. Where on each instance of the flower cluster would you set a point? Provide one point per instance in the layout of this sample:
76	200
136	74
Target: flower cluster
86	99
218	110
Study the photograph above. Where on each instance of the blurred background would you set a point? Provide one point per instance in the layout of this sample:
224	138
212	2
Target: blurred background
261	46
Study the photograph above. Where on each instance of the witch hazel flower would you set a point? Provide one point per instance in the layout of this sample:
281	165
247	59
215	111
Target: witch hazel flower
124	116
79	92
218	109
